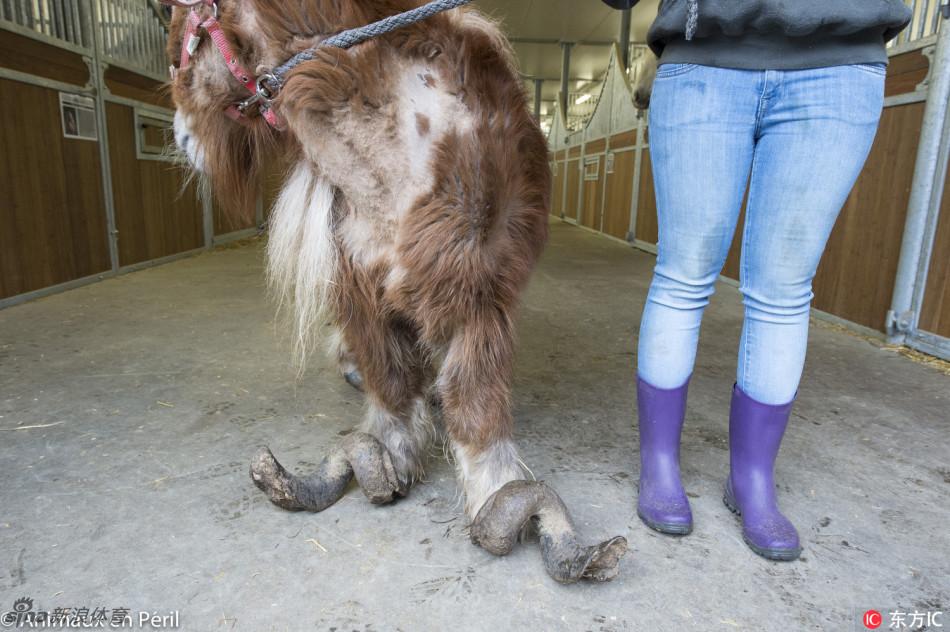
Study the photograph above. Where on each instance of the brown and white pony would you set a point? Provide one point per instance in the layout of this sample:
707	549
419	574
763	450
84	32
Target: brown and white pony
413	213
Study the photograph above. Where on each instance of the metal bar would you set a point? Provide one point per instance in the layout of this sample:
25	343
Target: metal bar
104	156
538	85
43	17
552	42
922	27
901	319
565	74
70	25
237	235
79	25
58	22
933	344
625	38
933	217
23	16
17	299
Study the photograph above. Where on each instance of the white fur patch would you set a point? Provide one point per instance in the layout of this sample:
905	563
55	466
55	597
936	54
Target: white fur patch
484	473
407	440
187	142
302	257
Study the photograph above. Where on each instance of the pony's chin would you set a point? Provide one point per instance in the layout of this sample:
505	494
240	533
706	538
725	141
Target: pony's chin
187	142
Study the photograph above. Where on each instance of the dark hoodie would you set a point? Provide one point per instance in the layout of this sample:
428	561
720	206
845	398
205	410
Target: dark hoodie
776	34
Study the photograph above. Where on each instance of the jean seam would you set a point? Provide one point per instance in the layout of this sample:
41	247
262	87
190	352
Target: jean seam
682	70
760	109
872	70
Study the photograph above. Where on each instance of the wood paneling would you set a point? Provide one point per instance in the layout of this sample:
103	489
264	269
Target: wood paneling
33	57
572	172
935	314
123	83
905	71
155	217
619	195
646	202
226	222
592	197
856	277
559	155
598	146
557	193
52	217
624	139
574	151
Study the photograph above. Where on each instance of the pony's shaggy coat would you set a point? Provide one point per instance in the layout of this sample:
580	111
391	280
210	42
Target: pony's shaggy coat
414	211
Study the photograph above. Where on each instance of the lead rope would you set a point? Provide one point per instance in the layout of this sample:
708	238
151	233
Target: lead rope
273	81
692	18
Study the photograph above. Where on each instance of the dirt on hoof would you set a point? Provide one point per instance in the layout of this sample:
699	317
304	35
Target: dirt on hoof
504	515
359	454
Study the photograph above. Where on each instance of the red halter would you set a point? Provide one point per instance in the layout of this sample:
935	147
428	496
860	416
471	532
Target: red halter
189	45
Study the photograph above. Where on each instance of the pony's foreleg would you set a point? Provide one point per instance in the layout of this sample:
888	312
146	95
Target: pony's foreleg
387	454
474	383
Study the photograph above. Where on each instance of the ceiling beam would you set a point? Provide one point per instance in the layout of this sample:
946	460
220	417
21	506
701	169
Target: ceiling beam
572	79
557	42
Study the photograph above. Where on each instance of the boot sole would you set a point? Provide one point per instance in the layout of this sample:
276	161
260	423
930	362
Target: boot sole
776	555
666	527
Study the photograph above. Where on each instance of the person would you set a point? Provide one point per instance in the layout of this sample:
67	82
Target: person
781	99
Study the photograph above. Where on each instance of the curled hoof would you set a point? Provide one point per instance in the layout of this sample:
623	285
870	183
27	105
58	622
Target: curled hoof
359	454
507	511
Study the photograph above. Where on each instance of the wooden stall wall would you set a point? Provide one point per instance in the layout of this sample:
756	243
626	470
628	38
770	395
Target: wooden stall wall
935	315
154	216
592	183
856	278
557	184
52	227
573	174
619	193
54	219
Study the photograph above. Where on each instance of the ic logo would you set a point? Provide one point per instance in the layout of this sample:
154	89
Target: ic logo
872	619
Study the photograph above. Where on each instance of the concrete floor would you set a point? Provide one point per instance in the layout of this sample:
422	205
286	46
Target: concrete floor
149	393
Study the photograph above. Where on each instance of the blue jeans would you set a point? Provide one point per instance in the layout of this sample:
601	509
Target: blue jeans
798	139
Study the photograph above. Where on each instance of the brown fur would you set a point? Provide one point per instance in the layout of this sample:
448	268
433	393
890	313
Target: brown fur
439	304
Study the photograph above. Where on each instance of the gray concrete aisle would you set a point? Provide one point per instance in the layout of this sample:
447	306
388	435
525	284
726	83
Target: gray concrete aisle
129	411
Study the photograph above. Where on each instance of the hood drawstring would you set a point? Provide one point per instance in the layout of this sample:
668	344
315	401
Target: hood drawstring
692	18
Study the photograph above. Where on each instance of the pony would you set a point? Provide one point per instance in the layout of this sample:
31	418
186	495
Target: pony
643	76
414	209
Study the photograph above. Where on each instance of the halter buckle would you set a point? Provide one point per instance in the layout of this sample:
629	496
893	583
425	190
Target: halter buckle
268	85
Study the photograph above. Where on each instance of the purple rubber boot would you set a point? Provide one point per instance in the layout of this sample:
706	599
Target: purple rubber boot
755	433
662	503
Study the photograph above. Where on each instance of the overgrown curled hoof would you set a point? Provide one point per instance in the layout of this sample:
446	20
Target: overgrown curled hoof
359	454
507	511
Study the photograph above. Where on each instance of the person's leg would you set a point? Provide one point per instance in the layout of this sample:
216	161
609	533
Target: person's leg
701	141
816	131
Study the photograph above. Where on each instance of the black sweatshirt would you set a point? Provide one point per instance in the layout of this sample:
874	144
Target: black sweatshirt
776	34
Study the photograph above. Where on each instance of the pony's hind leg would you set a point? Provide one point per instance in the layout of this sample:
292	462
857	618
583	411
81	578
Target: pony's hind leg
474	383
345	360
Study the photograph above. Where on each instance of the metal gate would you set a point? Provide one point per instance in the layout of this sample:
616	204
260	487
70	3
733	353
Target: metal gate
917	259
